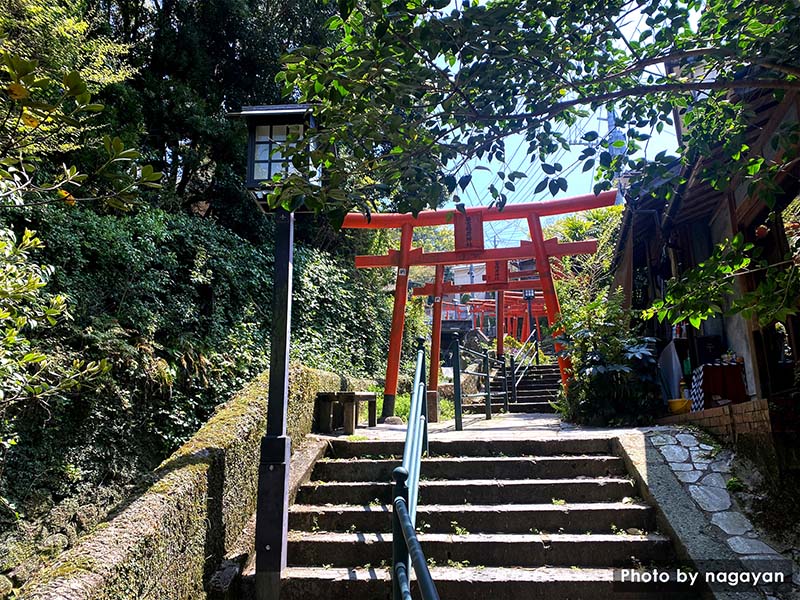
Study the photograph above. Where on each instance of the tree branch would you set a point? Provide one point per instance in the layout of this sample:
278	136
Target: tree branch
559	107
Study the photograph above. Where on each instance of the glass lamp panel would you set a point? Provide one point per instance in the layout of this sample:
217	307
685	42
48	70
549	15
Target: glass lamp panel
279	133
261	171
262	152
262	133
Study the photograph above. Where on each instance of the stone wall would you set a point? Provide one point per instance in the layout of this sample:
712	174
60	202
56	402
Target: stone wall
729	422
165	542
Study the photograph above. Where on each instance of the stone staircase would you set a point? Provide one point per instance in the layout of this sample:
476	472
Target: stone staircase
537	389
504	519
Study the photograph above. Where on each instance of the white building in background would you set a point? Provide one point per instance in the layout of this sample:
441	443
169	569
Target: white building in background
466	274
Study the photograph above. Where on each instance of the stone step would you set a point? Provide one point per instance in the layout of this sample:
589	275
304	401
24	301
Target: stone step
595	517
342	448
498	467
474	491
468	583
490	550
513	407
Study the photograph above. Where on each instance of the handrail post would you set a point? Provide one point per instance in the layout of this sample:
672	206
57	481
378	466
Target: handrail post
486	369
513	380
421	357
399	547
504	371
457	383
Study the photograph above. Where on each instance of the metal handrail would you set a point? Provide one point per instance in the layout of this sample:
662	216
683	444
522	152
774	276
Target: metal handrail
524	363
484	373
405	546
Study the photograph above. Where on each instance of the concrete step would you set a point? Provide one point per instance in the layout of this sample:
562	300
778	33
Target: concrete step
342	448
468	583
473	491
546	393
490	550
513	407
498	467
595	517
537	397
537	385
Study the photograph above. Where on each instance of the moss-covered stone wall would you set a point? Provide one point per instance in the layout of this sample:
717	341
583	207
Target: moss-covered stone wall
167	539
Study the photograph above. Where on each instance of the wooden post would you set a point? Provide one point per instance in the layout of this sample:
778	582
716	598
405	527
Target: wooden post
501	330
398	323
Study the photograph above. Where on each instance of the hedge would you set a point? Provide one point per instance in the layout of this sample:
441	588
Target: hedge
166	541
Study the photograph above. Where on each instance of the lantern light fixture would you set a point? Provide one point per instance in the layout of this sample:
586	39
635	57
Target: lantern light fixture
269	129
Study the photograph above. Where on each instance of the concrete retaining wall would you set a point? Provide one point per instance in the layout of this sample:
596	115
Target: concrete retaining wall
731	421
165	542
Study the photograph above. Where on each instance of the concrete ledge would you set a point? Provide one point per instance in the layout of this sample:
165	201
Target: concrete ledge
165	542
223	583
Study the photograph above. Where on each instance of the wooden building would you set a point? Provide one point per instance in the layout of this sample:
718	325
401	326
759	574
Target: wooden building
677	225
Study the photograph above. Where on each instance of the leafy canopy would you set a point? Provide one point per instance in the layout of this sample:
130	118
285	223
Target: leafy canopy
415	90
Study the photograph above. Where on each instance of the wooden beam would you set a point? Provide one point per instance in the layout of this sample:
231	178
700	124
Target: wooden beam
429	218
416	257
471	288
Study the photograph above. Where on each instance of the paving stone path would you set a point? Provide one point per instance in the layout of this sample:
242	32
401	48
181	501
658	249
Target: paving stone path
705	472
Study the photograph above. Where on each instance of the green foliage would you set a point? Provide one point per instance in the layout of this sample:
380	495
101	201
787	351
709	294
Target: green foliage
412	91
163	298
31	379
402	407
59	34
45	112
340	321
583	278
710	288
613	379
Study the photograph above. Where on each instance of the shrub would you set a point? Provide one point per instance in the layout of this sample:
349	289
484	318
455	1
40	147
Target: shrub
614	373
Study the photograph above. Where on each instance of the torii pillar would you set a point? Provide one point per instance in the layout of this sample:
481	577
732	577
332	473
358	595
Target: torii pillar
500	311
550	296
398	322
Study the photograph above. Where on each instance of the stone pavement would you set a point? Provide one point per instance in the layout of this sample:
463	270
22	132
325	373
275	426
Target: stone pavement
702	469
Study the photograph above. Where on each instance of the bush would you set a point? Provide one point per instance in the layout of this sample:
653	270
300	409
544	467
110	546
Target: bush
614	373
181	309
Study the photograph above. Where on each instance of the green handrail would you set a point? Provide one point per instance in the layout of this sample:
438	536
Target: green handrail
405	546
485	374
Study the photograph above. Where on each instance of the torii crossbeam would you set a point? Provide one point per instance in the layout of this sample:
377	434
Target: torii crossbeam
469	248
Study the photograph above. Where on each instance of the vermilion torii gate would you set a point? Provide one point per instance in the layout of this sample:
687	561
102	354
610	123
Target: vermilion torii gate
516	310
469	248
504	307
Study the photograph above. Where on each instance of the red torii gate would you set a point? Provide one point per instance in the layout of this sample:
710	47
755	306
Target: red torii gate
497	275
517	308
469	248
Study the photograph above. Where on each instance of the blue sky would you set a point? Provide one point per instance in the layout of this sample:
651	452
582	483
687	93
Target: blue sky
477	193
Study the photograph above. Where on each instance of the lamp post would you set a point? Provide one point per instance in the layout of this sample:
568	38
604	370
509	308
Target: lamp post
529	295
270	128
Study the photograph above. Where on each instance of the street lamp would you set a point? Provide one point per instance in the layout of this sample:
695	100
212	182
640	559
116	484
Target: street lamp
270	129
529	295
